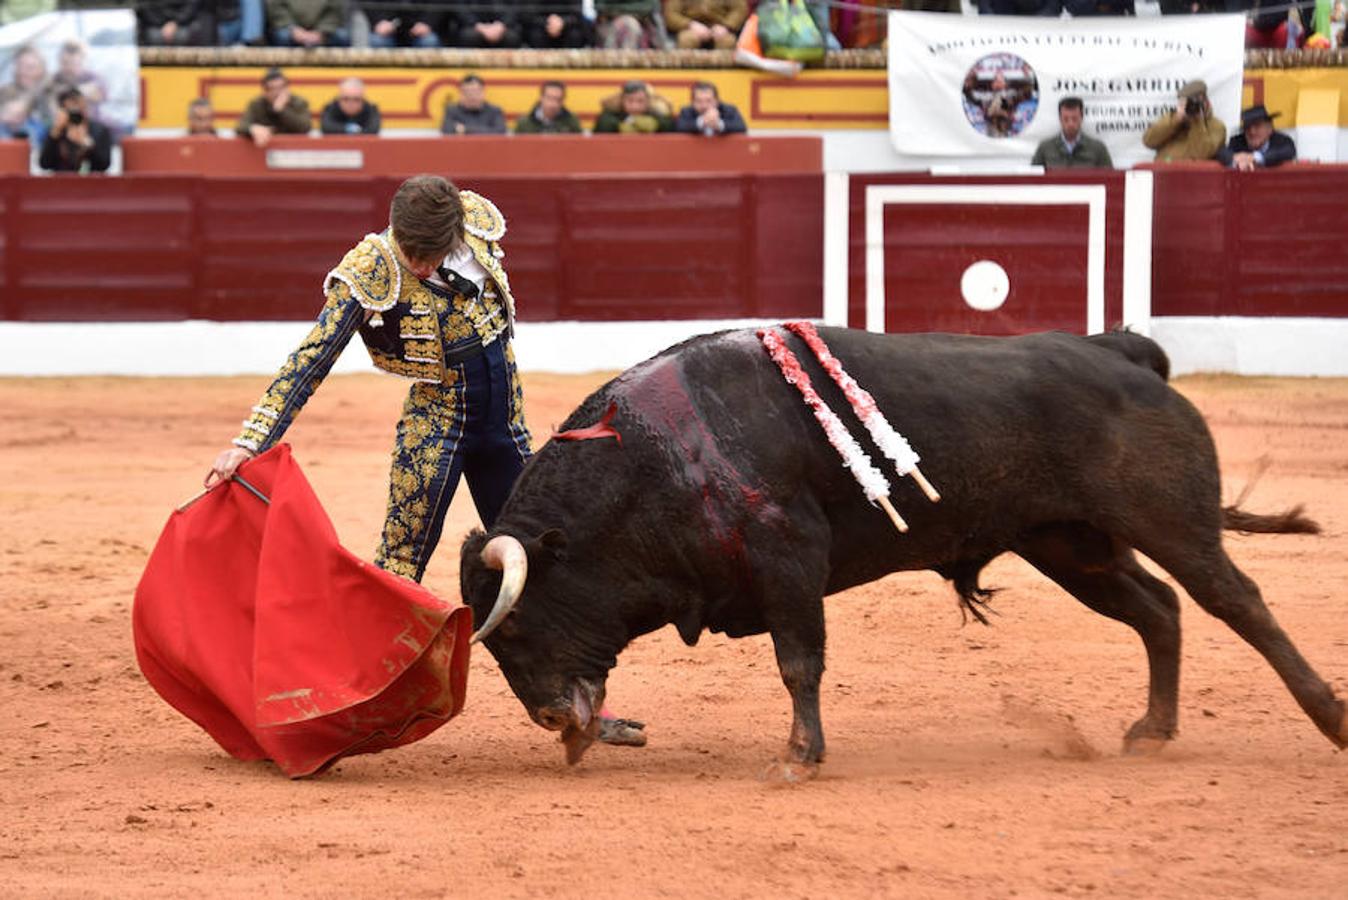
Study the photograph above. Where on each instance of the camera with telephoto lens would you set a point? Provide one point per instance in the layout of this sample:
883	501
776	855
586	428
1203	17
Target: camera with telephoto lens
75	117
1193	106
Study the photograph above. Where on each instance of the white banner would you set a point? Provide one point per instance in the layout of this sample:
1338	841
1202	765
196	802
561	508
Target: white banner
92	50
986	88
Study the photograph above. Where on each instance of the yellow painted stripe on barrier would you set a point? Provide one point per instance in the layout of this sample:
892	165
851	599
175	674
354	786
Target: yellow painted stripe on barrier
1318	106
414	98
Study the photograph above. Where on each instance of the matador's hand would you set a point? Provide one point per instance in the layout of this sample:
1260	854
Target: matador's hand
225	464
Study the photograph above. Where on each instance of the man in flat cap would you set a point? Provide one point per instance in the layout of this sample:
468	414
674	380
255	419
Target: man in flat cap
1188	132
1258	145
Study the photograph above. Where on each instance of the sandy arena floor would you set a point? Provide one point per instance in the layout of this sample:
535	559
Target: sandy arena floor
964	761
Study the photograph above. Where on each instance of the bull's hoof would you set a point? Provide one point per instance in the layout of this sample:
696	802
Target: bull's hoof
1143	746
785	771
622	732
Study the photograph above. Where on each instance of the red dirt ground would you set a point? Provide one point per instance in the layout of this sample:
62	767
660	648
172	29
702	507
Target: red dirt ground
963	761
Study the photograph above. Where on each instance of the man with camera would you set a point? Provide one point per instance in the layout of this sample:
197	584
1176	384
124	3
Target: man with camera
1190	131
75	142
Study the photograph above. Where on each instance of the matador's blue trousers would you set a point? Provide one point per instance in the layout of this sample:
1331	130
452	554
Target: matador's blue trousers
472	426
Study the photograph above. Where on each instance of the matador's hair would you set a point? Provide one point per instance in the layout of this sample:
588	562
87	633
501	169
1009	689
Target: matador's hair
427	217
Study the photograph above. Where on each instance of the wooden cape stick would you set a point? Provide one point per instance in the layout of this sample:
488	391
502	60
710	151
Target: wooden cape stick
204	491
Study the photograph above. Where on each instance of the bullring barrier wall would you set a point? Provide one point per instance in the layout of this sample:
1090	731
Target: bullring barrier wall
1230	271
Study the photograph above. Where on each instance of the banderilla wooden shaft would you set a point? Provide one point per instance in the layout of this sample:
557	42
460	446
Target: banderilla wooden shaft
923	483
893	514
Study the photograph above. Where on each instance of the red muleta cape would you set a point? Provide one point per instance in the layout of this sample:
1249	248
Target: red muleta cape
252	621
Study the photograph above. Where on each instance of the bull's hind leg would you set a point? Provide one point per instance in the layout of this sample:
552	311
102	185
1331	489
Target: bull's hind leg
1106	576
1227	593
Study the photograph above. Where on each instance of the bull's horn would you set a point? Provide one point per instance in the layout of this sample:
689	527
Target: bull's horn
506	555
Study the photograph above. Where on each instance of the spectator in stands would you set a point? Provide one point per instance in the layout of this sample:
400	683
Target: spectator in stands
1276	24
76	143
308	23
705	23
201	119
1258	145
1188	132
275	111
171	23
549	115
630	25
12	11
72	73
240	22
1079	8
634	111
350	113
1190	7
1070	148
405	26
555	25
707	115
24	101
1049	8
484	23
472	114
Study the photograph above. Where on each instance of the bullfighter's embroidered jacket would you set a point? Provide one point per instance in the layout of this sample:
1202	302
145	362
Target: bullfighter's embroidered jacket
408	328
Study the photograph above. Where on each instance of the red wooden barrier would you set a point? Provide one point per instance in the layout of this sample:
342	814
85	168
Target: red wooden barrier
14	157
143	248
678	246
1266	243
473	155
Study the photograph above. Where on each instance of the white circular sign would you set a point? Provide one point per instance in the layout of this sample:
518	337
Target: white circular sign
984	285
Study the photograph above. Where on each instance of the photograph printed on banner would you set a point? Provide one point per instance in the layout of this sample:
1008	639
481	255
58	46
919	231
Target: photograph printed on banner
92	51
1001	95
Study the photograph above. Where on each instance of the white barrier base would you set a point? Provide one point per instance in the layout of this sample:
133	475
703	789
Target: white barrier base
1254	346
1243	346
253	348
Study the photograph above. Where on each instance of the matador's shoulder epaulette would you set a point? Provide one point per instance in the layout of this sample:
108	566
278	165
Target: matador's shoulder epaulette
481	218
371	270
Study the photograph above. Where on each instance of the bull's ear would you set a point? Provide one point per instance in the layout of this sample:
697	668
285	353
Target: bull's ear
473	543
550	546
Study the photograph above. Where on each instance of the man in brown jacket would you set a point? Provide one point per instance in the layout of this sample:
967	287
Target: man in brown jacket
275	111
705	23
1188	132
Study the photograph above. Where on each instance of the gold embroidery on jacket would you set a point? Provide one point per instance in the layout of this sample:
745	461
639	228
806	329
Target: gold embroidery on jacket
302	371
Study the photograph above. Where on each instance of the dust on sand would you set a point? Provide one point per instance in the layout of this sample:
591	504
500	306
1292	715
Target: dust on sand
963	761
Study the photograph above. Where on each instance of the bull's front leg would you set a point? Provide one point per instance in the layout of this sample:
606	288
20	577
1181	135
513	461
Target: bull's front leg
798	636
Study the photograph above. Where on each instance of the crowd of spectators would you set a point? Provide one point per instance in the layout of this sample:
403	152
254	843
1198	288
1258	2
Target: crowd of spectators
633	24
1189	132
625	24
58	112
635	109
500	24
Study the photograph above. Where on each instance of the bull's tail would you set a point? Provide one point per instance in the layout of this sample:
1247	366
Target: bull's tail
1291	521
1288	522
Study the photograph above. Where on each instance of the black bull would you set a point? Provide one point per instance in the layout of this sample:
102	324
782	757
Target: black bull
723	506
